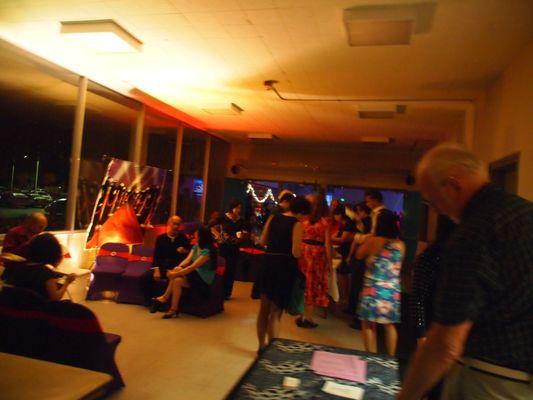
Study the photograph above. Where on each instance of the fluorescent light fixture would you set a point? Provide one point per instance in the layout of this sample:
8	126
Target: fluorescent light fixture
233	109
380	25
103	35
261	136
379	110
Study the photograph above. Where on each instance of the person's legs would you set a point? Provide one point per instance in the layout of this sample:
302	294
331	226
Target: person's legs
344	289
369	336
146	282
176	286
391	338
168	292
262	320
309	312
229	271
274	322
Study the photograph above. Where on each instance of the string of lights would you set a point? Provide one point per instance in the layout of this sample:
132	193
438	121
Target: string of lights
268	195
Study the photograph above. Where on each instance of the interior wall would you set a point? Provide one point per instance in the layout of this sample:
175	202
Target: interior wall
505	119
349	166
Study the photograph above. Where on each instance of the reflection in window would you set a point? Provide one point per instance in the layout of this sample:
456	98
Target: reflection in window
110	120
191	185
160	135
36	119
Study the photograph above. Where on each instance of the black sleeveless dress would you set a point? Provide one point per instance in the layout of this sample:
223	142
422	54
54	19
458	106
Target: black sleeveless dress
280	268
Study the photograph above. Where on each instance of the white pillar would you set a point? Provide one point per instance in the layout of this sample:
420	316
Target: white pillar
176	172
207	156
138	137
75	154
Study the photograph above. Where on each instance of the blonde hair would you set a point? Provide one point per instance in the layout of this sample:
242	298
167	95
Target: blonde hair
438	161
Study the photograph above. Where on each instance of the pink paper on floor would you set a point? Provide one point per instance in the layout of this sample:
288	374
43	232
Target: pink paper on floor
342	366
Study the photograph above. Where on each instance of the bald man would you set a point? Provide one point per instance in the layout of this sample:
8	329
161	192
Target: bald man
481	337
17	237
171	248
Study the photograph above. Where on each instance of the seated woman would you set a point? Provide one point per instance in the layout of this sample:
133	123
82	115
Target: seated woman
197	271
43	253
380	297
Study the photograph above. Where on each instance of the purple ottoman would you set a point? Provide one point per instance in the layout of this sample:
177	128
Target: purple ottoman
141	260
110	264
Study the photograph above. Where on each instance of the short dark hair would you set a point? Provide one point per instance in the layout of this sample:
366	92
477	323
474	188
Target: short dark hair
44	249
362	206
300	205
387	225
374	194
233	203
286	197
339	210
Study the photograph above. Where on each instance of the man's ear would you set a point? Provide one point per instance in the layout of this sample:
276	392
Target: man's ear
454	183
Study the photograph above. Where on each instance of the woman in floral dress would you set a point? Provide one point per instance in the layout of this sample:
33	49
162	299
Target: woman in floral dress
315	262
380	297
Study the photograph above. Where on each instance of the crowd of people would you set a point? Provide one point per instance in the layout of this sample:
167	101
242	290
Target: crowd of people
472	300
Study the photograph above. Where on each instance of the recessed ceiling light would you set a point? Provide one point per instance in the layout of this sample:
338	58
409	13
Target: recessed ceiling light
380	25
101	35
379	110
261	136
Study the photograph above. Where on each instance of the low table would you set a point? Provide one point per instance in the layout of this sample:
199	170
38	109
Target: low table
284	357
28	379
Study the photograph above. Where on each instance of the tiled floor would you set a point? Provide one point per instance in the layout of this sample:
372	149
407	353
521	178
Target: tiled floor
193	358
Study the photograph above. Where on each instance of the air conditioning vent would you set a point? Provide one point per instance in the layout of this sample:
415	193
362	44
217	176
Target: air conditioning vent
380	111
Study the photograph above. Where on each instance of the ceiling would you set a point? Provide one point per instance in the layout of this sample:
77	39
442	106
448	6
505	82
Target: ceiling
202	54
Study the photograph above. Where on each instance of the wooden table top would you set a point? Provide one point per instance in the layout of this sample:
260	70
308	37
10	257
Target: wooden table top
29	378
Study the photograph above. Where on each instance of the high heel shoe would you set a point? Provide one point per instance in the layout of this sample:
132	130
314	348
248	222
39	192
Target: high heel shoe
156	306
170	314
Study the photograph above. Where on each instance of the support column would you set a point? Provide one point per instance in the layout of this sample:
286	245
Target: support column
176	174
75	154
138	137
469	124
207	156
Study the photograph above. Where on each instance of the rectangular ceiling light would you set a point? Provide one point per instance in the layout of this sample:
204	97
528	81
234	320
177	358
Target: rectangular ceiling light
103	35
233	109
380	25
261	136
379	110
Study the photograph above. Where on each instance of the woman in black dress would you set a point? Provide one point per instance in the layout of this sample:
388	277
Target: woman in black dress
43	253
282	237
228	231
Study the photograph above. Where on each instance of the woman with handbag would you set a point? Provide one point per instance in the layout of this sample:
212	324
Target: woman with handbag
282	236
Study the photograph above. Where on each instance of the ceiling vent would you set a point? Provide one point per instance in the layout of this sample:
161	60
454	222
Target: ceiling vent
233	109
379	110
386	25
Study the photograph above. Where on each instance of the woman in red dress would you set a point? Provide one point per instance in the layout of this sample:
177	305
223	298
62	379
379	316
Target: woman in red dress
315	262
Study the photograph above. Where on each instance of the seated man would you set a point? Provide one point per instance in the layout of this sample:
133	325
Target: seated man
17	237
171	248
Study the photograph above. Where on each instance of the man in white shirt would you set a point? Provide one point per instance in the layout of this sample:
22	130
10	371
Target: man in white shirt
374	201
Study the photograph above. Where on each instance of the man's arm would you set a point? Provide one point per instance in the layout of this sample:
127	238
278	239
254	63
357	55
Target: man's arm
444	345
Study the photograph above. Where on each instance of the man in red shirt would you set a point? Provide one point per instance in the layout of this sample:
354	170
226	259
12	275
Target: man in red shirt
17	237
